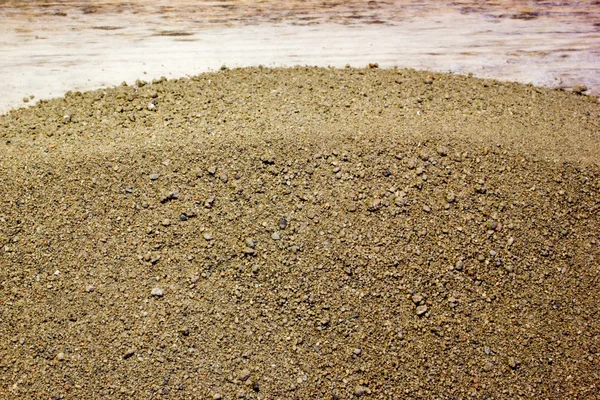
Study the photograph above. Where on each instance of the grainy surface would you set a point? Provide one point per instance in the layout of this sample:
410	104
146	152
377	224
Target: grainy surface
301	233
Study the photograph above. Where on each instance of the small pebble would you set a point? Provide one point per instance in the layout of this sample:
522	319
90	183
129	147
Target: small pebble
156	292
513	363
421	310
361	391
453	302
249	251
275	236
208	236
451	197
153	177
417	298
60	356
128	354
250	243
579	89
166	222
244	375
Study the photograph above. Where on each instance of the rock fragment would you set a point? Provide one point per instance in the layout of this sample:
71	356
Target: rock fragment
361	391
580	89
514	363
421	310
244	375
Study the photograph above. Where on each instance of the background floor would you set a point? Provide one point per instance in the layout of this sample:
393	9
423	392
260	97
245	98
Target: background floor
49	48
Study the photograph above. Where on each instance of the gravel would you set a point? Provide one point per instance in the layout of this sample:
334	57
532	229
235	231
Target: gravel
363	292
421	310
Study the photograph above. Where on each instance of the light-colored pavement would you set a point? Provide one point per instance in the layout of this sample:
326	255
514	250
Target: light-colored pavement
50	48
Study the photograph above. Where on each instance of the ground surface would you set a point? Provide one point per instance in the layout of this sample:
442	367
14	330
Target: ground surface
301	233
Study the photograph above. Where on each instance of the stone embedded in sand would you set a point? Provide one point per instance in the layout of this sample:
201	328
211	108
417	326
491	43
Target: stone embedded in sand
209	203
283	224
361	391
157	292
450	197
421	310
514	363
417	298
244	375
128	354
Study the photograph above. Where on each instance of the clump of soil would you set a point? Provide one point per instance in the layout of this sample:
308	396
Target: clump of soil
301	233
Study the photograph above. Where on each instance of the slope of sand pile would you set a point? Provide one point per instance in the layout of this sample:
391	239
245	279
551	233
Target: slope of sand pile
302	233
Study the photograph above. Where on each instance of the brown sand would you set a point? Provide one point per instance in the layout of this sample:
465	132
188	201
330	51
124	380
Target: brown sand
307	233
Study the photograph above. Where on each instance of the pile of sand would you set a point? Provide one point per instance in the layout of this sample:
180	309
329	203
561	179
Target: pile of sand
301	233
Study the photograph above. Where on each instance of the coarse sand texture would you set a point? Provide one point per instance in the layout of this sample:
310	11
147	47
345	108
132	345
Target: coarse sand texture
302	233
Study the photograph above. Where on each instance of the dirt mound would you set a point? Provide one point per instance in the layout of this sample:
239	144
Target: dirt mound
301	233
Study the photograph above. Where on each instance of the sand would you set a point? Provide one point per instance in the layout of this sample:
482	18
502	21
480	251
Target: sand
301	233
